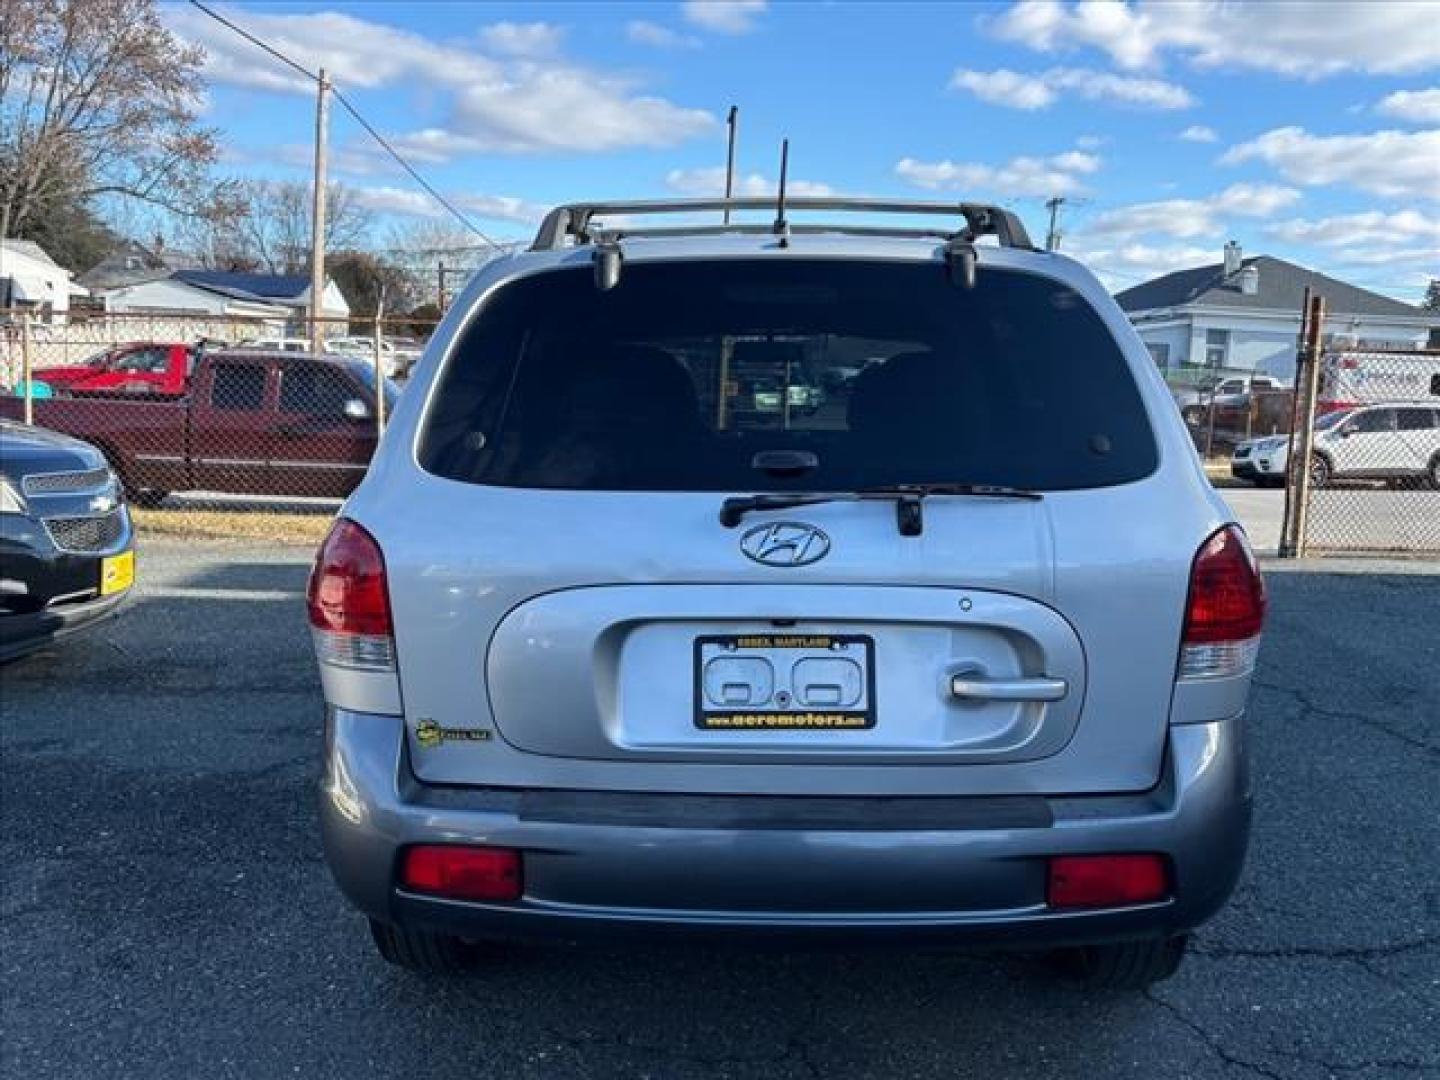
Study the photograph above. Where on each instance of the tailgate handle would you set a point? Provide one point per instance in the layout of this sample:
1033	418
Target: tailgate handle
968	686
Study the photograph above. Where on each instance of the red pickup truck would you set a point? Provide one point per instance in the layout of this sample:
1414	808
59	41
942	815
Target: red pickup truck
137	367
251	423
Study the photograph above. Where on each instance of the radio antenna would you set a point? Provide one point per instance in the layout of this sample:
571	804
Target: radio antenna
782	227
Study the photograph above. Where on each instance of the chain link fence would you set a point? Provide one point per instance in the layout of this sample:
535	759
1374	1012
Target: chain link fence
1374	465
204	414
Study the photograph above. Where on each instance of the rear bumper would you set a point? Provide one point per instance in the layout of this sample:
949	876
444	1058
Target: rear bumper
619	864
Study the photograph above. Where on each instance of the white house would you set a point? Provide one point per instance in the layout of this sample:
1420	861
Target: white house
222	293
32	281
1243	315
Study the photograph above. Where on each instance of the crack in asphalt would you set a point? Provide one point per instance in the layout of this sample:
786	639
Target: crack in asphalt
1308	707
1223	1053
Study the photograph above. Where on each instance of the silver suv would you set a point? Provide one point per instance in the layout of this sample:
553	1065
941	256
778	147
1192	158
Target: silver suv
807	580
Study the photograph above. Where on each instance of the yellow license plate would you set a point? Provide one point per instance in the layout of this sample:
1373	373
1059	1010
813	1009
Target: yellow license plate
117	573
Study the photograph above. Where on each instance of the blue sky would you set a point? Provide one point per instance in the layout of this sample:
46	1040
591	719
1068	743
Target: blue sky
1309	131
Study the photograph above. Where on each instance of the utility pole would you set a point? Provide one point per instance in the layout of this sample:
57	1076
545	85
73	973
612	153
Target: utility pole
1052	238
733	123
317	215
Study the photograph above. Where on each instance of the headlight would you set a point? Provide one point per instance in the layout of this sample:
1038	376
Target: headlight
10	500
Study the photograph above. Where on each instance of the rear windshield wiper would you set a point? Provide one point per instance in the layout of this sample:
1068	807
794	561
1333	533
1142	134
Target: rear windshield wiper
908	499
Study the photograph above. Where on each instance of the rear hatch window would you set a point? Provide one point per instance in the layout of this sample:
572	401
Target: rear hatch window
885	372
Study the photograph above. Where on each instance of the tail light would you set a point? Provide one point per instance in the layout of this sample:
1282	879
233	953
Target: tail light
1081	881
1225	610
349	601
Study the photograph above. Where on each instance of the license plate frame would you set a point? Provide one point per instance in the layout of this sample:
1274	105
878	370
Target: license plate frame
117	573
782	710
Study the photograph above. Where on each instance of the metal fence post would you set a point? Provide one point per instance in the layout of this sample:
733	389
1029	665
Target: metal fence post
379	378
25	367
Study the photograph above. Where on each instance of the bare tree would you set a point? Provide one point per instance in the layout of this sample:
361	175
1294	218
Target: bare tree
421	246
272	226
97	98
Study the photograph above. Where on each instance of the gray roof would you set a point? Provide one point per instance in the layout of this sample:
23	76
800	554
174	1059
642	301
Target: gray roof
1281	286
132	263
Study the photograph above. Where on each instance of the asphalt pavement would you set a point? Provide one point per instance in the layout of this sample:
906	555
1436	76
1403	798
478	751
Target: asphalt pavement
165	911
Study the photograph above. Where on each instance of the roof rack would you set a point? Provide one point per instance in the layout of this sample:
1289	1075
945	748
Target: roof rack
573	221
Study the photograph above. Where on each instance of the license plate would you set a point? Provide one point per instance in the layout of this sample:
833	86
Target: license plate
784	682
117	573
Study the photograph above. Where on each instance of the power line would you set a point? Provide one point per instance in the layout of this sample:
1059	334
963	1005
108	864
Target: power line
256	41
345	102
354	112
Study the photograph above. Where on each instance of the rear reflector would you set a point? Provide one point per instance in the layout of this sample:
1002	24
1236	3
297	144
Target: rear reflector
1085	881
1225	609
349	601
462	873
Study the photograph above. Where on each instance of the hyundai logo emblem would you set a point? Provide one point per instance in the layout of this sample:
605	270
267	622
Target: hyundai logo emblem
785	543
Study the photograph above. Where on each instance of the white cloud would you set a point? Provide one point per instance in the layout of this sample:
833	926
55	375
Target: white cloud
1005	87
724	16
1043	89
1091	142
495	103
393	200
1056	175
1199	133
1419	106
1303	39
1189	218
523	39
711	181
1369	227
1120	266
644	32
1399	164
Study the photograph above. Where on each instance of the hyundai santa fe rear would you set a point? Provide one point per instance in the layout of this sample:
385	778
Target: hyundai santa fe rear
830	584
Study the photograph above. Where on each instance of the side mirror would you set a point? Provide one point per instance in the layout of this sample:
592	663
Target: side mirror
356	409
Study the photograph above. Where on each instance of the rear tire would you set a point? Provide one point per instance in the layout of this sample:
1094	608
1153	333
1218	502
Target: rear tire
1125	965
422	951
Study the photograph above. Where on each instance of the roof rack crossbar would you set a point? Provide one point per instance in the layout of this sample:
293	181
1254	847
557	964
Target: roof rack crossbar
573	220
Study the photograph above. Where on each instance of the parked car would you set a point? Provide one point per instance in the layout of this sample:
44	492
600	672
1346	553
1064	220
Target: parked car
397	365
137	367
1398	442
275	344
1231	396
602	656
67	558
252	422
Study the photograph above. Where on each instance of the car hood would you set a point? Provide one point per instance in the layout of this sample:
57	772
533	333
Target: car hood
25	449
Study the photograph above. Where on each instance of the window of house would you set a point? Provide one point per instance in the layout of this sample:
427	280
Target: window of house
1217	348
238	388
